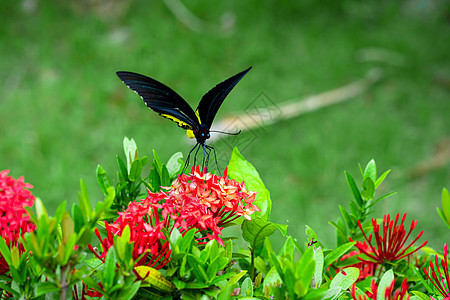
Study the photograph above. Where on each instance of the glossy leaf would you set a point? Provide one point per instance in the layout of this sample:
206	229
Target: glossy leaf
304	271
174	165
155	278
385	282
342	282
247	288
240	170
371	170
368	189
354	188
319	265
337	253
102	179
85	203
131	153
255	231
381	178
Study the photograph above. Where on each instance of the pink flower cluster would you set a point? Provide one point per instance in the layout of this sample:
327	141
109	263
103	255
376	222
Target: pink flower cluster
14	196
14	219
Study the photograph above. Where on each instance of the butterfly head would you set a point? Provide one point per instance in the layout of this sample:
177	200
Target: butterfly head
202	133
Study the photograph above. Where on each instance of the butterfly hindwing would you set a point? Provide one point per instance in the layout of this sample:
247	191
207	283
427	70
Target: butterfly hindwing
211	101
161	99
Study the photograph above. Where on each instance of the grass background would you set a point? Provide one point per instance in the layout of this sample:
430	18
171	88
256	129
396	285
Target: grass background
63	110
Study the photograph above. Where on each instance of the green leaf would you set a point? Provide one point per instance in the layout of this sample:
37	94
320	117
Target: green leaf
247	288
9	289
337	253
174	165
288	248
43	288
102	179
123	171
385	282
85	203
342	282
311	234
441	214
40	208
354	189
157	162
5	251
131	291
272	278
240	170
131	153
155	278
304	270
446	204
371	170
67	226
165	177
381	178
135	170
109	270
368	189
346	216
421	295
197	268
78	218
319	265
60	211
256	230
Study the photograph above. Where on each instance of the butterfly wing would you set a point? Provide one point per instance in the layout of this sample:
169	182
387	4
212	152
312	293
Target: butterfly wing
211	101
161	99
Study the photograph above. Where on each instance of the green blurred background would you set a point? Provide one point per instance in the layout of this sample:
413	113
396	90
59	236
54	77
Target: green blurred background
63	110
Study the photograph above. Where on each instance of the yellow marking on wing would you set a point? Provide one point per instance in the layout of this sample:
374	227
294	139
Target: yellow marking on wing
178	121
190	134
198	116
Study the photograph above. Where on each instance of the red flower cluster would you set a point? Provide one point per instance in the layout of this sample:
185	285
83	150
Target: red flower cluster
207	202
200	200
372	294
14	219
390	242
441	282
145	233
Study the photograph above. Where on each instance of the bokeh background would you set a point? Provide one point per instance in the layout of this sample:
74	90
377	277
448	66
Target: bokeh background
63	110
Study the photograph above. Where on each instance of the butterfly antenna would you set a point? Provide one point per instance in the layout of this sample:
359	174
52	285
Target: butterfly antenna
224	132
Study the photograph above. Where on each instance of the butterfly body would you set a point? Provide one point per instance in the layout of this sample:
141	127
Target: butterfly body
167	103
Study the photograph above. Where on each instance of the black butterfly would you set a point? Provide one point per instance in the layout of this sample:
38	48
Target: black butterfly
167	103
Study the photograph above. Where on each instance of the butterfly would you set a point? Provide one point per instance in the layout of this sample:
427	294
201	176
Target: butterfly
167	103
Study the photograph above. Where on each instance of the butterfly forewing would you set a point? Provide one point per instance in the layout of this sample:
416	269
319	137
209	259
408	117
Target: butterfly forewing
161	99
211	101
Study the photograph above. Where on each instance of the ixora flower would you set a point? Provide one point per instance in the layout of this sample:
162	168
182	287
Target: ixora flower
389	242
14	219
207	202
150	246
441	282
200	200
400	294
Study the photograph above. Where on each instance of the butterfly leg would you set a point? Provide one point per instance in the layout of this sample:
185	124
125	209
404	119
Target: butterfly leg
186	163
211	148
206	153
196	152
